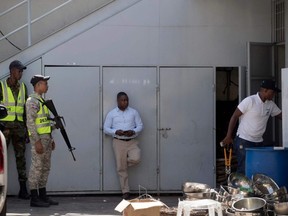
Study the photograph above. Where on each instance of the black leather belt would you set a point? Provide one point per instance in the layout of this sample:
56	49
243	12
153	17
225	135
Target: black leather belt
126	140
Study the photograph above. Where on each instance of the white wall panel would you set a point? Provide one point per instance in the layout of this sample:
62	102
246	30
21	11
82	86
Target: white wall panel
284	86
145	13
201	46
112	45
167	32
219	13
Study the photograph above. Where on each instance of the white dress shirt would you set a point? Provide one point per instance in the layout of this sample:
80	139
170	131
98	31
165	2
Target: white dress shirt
129	119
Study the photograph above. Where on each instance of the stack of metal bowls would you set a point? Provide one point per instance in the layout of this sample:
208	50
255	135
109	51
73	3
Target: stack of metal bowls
241	182
264	185
227	195
228	190
279	195
268	189
275	196
194	191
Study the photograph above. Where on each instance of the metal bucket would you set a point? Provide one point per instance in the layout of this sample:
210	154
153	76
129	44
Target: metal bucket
195	196
251	204
194	187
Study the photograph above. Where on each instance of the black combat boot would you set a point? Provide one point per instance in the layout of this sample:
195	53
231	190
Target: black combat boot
23	193
36	201
43	196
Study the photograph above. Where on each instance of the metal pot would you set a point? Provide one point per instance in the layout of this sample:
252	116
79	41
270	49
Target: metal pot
250	204
282	198
195	196
264	185
227	190
229	212
277	193
194	187
281	208
242	182
249	213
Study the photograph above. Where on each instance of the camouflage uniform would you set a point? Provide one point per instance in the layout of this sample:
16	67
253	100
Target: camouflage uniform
16	132
40	163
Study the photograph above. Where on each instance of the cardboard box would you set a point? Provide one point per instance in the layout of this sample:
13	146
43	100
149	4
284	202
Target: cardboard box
140	207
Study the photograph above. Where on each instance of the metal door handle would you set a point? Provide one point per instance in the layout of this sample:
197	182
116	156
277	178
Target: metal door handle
161	129
164	134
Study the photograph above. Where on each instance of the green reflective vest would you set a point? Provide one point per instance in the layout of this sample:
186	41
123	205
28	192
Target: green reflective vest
42	121
14	108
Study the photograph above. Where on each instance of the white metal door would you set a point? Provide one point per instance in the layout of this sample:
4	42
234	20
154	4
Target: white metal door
140	85
261	66
284	87
187	151
75	92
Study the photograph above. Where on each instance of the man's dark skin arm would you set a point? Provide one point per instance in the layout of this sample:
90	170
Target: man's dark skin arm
232	123
279	116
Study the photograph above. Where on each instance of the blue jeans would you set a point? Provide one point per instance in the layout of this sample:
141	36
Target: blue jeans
239	149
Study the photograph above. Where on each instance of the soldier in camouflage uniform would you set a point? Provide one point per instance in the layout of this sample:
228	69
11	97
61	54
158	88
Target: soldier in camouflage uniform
13	95
42	144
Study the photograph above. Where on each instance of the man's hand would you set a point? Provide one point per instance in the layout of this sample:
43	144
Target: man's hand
120	133
27	139
129	133
53	146
39	147
226	141
6	132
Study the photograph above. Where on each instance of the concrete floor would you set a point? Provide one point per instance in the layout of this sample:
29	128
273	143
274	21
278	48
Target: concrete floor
96	205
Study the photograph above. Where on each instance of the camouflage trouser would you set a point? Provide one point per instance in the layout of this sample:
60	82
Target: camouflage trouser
18	138
40	164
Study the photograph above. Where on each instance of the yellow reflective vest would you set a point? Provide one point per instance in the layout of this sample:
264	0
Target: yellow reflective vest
14	108
42	122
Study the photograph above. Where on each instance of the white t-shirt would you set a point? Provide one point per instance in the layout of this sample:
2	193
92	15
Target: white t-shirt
256	113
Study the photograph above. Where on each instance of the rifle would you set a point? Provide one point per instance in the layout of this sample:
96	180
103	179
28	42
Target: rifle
58	120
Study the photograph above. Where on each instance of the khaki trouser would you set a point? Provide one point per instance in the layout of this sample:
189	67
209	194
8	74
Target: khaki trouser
127	153
40	164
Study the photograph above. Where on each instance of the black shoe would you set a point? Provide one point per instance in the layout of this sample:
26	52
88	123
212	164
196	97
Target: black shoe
38	203
50	201
35	201
43	196
23	193
126	196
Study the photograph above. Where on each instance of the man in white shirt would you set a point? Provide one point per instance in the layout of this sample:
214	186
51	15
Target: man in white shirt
124	124
253	113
